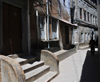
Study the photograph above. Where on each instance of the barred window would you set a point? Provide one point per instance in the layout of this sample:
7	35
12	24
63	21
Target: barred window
80	13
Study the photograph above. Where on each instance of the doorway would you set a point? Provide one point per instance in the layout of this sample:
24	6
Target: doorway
12	31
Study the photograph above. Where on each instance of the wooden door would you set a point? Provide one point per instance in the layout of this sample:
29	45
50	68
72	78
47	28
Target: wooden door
12	41
6	29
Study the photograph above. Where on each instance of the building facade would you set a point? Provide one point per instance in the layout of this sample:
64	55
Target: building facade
55	33
85	16
28	25
13	26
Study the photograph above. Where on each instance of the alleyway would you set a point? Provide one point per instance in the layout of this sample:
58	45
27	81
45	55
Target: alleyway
80	67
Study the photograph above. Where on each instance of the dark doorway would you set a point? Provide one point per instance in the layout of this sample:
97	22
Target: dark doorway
12	33
67	34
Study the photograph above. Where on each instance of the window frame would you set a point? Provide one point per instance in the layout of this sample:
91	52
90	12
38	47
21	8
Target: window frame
84	15
43	28
57	29
80	13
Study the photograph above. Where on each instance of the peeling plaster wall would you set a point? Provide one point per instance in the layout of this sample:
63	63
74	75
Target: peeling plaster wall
65	10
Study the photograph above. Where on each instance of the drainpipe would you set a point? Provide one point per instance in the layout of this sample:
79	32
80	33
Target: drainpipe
37	29
48	22
98	11
28	14
72	17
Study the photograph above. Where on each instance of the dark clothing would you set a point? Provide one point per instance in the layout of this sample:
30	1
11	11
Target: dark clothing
92	45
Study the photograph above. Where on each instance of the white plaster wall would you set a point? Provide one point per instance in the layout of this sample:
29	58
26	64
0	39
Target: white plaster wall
67	6
43	31
55	35
88	8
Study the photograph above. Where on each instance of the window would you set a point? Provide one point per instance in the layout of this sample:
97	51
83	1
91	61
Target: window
54	25
54	29
91	18
41	24
88	16
84	15
86	37
81	37
94	19
80	13
64	2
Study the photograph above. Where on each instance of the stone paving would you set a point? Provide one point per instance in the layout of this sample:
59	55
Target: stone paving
79	67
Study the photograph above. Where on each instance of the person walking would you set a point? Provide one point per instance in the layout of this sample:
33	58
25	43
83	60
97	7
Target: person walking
92	45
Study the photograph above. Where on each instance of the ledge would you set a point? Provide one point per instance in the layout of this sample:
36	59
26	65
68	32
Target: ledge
10	69
50	59
50	40
63	54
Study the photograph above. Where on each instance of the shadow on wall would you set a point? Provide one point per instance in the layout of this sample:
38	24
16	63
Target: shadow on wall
91	68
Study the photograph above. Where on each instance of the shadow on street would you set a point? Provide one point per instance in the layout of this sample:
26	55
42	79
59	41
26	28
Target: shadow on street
91	68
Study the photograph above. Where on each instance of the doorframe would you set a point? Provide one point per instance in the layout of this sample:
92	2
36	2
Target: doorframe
1	29
9	3
25	27
28	17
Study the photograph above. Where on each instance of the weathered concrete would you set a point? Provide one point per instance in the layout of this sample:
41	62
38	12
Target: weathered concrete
83	47
63	54
50	59
10	70
80	67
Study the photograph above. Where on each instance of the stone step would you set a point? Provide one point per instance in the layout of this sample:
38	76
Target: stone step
36	73
83	47
47	77
29	67
23	61
62	54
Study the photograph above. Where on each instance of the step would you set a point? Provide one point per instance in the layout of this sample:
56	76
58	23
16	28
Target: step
29	67
31	59
47	77
23	61
83	47
36	73
62	54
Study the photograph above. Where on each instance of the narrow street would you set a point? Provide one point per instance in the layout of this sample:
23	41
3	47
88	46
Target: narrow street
80	67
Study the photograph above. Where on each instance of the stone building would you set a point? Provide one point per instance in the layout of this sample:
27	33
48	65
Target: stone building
56	35
28	25
85	16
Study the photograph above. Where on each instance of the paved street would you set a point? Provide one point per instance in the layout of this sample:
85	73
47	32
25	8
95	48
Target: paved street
80	67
